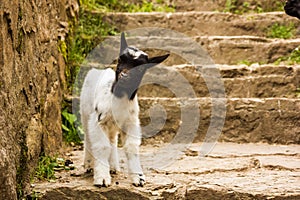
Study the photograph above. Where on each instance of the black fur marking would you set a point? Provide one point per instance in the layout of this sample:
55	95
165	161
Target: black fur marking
292	8
132	65
99	117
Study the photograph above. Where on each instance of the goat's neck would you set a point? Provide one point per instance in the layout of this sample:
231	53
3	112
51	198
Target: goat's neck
119	91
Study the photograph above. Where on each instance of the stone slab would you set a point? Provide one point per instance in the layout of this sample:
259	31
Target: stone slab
239	81
220	175
271	120
195	23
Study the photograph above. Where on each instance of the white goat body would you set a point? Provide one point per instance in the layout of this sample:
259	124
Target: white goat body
103	117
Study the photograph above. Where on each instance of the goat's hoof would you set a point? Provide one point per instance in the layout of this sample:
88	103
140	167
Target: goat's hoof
114	171
139	180
103	183
102	179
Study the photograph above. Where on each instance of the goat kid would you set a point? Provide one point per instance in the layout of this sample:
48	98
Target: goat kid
109	107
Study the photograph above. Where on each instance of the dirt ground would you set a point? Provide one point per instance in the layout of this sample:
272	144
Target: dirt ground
229	171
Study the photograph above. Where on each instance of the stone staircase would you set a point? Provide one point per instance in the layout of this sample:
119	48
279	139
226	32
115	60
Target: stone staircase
262	106
261	99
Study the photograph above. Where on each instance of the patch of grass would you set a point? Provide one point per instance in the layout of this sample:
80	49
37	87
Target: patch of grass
252	6
293	58
281	31
245	62
45	168
249	63
89	31
230	6
150	6
127	6
34	196
72	131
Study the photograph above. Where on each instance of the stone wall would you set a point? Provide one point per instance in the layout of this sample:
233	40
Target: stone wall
31	77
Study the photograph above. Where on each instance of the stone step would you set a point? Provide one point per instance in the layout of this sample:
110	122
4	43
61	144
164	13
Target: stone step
229	171
201	23
232	81
220	5
270	120
221	49
237	120
211	49
241	81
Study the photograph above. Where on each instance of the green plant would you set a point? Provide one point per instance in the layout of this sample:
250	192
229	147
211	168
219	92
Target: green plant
281	31
72	131
34	195
45	168
293	58
241	7
85	36
149	6
125	6
245	62
230	6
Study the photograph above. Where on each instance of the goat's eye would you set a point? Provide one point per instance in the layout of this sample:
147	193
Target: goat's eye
123	74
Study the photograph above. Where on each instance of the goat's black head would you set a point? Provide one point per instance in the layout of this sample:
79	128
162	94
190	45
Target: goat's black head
292	8
132	65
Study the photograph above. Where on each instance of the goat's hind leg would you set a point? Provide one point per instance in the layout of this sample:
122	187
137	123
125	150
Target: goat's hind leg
101	151
88	158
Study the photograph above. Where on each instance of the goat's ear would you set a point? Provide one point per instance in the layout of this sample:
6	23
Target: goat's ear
123	43
158	59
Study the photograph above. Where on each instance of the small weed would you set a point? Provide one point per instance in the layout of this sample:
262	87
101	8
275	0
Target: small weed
281	31
149	6
245	62
34	196
241	7
249	63
293	58
45	168
125	6
72	132
230	6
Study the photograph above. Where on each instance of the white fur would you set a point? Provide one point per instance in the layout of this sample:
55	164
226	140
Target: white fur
135	53
103	117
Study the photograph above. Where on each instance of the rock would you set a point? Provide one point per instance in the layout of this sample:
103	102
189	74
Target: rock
31	83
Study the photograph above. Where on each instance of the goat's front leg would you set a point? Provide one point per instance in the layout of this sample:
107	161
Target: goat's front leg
114	157
131	147
101	151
